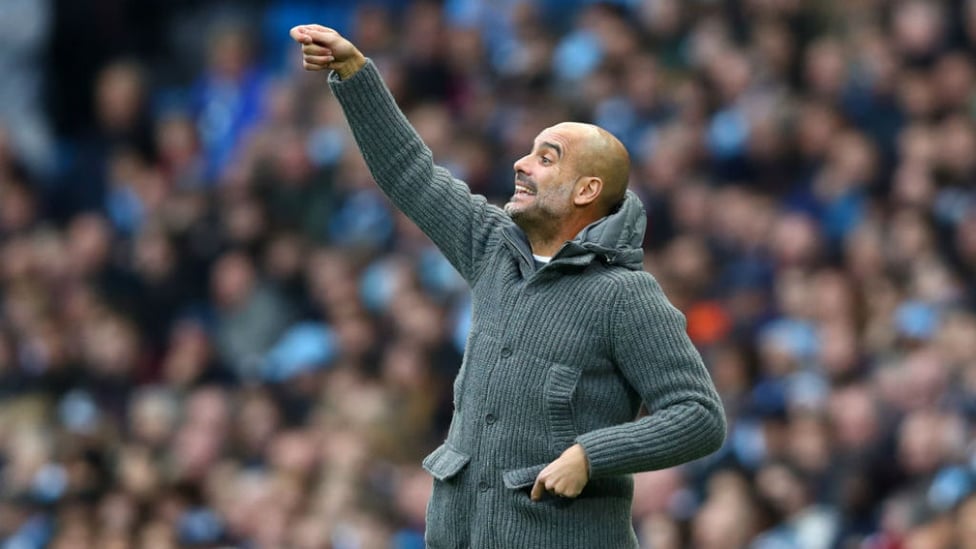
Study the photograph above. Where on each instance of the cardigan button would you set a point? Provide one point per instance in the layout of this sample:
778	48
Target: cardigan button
483	486
490	418
506	352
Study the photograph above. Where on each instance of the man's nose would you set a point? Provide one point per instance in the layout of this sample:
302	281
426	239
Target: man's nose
520	165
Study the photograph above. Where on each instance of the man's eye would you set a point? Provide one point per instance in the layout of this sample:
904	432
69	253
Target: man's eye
546	160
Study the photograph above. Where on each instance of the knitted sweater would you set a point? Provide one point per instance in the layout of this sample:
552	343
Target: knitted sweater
560	354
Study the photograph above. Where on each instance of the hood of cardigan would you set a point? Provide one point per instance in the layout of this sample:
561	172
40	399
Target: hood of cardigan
615	239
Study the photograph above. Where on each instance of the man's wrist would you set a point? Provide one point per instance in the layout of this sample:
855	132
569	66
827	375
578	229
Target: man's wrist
349	68
585	458
581	455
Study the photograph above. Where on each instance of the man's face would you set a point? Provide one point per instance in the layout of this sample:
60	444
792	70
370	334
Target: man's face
544	181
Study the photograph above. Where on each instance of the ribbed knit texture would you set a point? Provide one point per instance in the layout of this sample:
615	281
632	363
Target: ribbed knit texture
557	355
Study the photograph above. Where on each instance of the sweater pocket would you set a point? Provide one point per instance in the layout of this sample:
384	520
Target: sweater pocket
520	482
517	479
445	462
560	417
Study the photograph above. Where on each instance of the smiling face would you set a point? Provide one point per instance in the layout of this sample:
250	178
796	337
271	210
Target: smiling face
544	181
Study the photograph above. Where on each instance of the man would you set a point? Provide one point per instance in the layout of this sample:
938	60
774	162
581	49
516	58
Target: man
568	334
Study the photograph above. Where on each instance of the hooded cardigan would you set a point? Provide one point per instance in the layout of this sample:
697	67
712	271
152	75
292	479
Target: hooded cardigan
560	354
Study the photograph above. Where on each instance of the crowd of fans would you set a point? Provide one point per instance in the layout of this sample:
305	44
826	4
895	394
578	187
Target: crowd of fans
215	331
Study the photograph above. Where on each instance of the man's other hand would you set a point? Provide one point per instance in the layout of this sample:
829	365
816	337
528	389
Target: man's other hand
324	48
564	477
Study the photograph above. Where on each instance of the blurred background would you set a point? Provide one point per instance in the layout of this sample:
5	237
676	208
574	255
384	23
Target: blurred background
215	332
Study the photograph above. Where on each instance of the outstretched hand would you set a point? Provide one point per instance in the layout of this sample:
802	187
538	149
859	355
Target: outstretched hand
564	477
325	49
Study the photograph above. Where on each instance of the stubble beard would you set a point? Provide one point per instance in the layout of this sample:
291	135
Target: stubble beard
539	222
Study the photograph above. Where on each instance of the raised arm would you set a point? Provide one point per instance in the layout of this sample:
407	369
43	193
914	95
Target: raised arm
462	225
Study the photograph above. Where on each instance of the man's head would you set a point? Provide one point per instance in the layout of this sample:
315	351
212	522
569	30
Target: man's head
575	174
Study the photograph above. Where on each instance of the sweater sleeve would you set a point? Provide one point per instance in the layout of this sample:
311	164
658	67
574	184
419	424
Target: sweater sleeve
686	420
459	223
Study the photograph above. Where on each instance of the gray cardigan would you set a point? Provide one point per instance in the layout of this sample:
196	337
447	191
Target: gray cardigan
556	355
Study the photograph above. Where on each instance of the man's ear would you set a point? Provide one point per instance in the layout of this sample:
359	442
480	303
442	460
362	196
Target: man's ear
587	191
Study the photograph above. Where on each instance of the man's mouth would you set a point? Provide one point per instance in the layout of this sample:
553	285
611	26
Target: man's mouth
524	187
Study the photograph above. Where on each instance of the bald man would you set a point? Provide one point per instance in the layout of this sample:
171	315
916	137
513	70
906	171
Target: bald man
568	334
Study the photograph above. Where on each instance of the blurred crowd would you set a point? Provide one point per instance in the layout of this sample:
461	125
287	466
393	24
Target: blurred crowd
215	332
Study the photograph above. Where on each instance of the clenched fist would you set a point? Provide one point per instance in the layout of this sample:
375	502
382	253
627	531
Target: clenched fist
324	48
